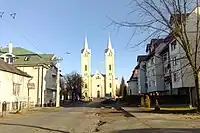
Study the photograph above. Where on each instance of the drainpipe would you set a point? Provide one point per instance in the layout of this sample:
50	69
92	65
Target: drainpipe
42	88
38	85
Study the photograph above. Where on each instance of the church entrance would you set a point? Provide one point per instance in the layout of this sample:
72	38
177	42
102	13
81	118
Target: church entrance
98	94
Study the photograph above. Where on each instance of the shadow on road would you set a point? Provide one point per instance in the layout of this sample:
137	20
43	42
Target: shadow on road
160	130
109	104
32	126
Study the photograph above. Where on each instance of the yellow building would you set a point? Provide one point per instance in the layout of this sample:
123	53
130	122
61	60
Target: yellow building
98	85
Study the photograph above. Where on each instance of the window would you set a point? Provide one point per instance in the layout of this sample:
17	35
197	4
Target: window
166	70
110	74
165	57
98	77
149	84
174	61
152	61
110	85
97	85
85	67
153	72
26	58
130	92
16	89
173	45
153	83
85	94
11	60
85	85
7	60
110	67
175	77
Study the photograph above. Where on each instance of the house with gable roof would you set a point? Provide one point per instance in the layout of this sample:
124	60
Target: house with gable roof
42	68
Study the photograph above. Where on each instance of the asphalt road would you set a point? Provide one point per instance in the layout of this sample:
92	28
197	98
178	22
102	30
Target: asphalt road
91	117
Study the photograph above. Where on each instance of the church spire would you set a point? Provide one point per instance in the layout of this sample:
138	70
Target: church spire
109	42
86	43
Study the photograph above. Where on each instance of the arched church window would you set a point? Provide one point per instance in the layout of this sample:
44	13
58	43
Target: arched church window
110	54
85	85
110	85
110	67
85	67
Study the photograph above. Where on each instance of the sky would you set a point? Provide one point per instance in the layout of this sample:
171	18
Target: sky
60	26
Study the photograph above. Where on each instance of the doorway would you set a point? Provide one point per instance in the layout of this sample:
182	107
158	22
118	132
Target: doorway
98	94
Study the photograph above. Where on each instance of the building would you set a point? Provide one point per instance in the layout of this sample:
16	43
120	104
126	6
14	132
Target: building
154	67
133	84
42	68
13	85
141	73
98	85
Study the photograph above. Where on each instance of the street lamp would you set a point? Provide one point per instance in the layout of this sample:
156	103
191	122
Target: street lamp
58	60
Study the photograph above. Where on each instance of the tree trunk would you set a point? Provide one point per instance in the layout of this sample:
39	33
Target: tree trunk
197	87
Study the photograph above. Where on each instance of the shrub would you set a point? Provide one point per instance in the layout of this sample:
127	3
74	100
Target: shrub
142	102
147	102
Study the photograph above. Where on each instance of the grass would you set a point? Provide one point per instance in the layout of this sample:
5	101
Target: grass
174	110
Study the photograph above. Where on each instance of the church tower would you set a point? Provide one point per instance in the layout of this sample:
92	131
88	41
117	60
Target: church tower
86	69
110	69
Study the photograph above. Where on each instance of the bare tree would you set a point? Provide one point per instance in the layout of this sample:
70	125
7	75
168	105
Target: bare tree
74	84
177	18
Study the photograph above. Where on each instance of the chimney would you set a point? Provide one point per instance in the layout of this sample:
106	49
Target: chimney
10	47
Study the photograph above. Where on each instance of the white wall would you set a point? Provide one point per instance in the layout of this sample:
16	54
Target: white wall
98	85
6	88
48	81
142	78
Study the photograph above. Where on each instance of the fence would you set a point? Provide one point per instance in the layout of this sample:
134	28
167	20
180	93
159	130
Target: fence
14	106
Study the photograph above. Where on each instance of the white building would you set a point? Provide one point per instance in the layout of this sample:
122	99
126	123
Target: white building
41	67
154	67
98	84
141	73
133	85
13	84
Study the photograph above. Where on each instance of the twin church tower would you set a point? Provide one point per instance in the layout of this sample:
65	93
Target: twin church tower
98	85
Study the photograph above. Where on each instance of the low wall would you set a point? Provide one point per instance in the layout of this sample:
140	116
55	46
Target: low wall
162	100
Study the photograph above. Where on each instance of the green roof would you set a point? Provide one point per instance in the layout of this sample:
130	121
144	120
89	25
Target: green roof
33	58
18	51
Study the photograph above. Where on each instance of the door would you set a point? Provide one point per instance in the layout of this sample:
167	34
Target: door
98	94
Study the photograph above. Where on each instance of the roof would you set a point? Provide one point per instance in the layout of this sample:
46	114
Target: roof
33	58
17	51
11	69
104	75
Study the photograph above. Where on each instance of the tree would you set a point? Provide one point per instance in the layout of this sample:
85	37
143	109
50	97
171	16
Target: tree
122	86
74	84
125	91
176	18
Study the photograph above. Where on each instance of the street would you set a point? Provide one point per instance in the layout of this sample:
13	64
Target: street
91	117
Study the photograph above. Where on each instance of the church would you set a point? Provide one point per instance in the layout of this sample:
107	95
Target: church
98	85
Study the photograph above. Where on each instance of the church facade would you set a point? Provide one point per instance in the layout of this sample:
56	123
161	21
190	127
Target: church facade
98	85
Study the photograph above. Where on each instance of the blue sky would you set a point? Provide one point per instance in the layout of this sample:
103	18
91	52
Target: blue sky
59	26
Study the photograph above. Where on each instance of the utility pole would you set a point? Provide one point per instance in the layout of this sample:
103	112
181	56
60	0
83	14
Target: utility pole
58	84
